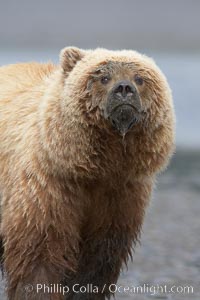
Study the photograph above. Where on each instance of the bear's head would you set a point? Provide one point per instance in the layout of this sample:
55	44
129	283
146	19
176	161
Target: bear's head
116	113
119	90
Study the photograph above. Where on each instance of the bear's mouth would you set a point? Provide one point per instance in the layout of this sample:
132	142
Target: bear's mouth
123	117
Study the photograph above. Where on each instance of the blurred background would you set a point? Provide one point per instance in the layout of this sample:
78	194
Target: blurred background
168	31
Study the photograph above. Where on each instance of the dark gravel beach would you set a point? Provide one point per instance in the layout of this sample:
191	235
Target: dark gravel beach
169	252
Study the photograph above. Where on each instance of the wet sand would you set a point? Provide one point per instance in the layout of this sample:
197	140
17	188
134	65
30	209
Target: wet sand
169	253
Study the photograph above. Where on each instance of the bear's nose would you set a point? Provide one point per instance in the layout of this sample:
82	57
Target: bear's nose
124	88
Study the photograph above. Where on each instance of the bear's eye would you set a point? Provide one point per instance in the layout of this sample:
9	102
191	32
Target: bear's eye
139	80
105	79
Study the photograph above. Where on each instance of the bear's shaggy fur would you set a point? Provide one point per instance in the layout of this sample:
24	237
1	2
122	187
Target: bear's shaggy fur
73	190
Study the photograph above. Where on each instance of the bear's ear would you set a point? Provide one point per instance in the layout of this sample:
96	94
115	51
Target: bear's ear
69	56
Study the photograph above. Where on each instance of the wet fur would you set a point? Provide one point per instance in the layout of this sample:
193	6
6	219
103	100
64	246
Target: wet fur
73	198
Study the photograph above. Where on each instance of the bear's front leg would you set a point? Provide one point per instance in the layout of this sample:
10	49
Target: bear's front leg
40	237
100	263
39	285
113	228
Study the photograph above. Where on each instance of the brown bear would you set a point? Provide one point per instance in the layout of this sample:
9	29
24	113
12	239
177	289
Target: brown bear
80	146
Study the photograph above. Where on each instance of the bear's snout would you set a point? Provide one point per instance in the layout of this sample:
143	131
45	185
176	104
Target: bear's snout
124	89
123	106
